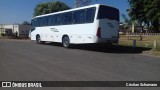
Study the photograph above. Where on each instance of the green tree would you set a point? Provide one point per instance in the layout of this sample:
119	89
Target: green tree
128	22
50	7
26	23
80	3
153	13
147	11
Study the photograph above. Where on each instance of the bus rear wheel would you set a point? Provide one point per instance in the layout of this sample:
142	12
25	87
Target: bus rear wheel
66	42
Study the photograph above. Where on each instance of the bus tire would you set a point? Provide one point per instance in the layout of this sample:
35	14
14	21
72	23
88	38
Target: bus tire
38	40
66	42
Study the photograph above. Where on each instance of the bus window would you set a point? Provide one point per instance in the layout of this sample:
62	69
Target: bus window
38	22
79	17
106	12
49	20
32	25
66	18
46	20
57	19
53	21
90	15
69	18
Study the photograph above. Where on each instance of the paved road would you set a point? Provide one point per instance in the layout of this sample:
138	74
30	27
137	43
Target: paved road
24	60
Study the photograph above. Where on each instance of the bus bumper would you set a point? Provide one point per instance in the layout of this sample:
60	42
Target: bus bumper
107	40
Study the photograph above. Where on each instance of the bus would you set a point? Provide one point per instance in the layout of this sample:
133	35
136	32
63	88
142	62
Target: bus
85	25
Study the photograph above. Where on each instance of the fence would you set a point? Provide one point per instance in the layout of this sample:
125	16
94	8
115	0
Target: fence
140	36
143	34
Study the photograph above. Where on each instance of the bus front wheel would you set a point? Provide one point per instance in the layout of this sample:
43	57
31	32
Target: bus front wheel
66	42
38	40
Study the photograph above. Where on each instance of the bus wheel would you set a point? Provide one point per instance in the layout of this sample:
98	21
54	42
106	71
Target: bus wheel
38	40
66	42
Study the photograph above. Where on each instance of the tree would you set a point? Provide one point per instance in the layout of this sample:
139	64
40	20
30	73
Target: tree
147	11
129	23
136	12
50	7
127	20
80	3
153	13
26	23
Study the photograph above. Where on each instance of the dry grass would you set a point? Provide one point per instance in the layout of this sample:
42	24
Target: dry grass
147	42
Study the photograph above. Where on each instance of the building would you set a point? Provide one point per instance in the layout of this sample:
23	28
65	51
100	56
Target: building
21	30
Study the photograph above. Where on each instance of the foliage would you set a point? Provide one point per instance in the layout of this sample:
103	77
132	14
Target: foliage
26	23
50	7
80	3
147	11
128	22
2	34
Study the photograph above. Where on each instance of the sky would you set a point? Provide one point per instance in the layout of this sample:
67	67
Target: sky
17	11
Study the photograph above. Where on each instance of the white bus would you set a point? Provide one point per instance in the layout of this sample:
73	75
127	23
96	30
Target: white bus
85	25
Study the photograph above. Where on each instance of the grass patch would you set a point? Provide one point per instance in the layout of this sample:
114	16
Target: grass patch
147	42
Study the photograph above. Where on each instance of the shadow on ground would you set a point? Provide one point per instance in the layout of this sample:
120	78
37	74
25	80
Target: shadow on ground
107	49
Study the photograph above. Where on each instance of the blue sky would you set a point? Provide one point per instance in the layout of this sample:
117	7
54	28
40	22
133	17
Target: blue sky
17	11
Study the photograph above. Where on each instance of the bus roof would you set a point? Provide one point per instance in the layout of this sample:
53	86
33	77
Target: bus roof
95	5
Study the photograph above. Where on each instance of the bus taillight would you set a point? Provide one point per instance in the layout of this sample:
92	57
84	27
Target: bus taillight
98	32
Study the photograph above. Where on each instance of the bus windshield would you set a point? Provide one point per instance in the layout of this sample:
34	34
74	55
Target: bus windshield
106	12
